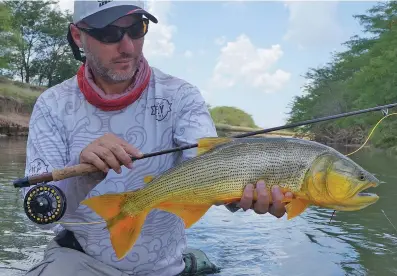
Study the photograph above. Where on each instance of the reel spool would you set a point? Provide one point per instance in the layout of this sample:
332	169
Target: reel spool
45	204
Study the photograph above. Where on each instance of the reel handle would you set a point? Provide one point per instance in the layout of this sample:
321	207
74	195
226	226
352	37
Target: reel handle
55	175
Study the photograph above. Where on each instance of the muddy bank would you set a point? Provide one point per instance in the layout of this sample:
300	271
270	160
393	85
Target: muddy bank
14	116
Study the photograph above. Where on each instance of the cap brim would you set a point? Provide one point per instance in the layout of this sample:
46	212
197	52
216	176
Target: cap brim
105	17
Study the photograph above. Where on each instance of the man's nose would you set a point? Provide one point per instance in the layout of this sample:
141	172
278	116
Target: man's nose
126	44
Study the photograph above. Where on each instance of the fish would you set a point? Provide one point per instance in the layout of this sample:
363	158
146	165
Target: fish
314	173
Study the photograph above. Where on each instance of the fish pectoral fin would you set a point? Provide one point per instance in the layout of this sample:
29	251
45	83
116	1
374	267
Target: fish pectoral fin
124	229
296	207
206	144
189	213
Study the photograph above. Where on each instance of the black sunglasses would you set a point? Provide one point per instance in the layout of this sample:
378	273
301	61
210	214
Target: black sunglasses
113	34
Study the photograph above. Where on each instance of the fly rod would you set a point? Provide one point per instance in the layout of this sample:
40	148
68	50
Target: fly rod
82	169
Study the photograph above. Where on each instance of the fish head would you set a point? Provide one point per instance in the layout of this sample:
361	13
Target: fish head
337	182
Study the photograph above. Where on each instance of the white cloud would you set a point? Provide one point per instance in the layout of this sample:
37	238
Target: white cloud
313	24
158	41
188	54
242	62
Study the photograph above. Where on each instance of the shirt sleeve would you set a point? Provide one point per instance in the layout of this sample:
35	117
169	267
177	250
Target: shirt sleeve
47	149
193	122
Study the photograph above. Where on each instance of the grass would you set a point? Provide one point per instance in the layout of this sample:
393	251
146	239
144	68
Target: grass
21	92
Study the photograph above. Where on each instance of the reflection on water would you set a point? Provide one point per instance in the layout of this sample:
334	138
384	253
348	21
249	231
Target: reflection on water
354	243
21	242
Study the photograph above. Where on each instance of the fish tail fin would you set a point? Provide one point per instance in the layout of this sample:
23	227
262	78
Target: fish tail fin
124	228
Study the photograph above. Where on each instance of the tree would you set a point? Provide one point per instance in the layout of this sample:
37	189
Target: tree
35	47
5	30
362	76
231	116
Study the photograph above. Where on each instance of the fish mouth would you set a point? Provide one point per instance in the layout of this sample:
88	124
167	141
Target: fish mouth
360	200
362	192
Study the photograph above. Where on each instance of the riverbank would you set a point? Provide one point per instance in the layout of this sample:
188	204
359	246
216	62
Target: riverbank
16	104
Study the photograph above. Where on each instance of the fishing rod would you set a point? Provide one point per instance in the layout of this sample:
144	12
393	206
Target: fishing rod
39	200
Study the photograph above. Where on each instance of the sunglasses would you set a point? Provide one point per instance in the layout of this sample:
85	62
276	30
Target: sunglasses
113	34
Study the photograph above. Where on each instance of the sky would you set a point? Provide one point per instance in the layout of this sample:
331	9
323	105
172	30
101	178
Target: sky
248	54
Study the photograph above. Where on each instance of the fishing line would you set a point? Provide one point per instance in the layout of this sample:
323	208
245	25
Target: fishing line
54	191
372	131
333	214
389	220
362	146
82	169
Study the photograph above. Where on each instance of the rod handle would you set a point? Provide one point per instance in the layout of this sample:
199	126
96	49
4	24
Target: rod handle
76	170
55	175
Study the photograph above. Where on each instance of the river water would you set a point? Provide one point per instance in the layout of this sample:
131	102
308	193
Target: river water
354	243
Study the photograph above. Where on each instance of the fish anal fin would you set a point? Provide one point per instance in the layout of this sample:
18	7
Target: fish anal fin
296	207
124	228
189	213
124	232
148	178
206	144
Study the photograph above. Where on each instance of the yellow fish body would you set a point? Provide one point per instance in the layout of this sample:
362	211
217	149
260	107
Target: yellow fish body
316	175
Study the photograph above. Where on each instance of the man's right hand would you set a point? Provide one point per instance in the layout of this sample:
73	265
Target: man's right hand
109	152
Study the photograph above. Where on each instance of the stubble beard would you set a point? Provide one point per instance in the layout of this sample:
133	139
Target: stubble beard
107	74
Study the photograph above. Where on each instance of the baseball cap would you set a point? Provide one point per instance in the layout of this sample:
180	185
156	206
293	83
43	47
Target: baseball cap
98	14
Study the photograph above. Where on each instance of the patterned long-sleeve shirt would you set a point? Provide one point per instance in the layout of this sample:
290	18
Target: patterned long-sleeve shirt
171	112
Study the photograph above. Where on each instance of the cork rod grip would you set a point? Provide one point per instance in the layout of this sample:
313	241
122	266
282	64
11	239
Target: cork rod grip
76	170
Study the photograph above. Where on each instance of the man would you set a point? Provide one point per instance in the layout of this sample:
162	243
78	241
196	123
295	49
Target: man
115	108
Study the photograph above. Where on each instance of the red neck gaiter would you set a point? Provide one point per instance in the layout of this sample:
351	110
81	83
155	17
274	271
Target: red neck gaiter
141	80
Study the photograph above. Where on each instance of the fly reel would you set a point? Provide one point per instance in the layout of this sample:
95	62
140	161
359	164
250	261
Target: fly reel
45	204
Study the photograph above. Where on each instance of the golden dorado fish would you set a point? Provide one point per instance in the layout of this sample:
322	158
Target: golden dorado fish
316	175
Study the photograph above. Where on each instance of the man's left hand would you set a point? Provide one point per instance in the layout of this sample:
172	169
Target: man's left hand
262	205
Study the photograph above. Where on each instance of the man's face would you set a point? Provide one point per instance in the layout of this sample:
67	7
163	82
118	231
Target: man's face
114	62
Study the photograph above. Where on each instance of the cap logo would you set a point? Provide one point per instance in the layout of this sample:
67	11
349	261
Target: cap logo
101	3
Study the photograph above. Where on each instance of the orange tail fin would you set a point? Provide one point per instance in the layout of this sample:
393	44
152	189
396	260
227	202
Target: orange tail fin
124	229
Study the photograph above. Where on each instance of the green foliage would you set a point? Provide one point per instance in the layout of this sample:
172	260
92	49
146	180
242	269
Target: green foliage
365	75
23	92
231	116
33	43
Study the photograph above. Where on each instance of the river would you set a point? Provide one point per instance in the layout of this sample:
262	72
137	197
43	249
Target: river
354	243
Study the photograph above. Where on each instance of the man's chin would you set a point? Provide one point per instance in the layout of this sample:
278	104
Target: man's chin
120	76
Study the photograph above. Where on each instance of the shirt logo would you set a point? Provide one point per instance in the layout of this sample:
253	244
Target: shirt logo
161	108
37	166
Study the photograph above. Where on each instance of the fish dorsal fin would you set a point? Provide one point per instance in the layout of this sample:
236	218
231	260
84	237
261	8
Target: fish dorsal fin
148	179
205	144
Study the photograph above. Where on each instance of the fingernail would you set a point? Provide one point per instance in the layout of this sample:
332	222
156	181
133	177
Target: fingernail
129	165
